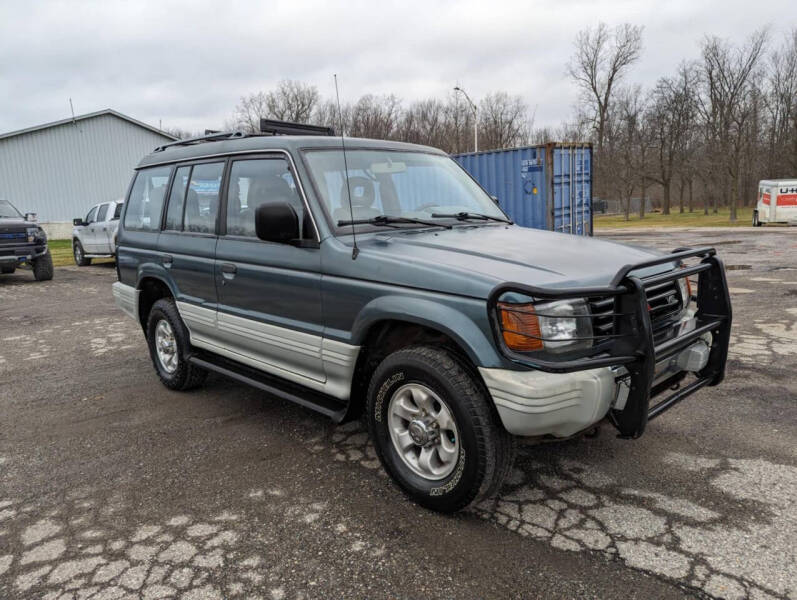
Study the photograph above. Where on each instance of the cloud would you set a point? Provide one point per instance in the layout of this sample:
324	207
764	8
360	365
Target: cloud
186	64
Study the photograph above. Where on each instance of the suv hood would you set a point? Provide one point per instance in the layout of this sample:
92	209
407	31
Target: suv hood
480	257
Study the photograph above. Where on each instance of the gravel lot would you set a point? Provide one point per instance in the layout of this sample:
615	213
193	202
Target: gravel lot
112	486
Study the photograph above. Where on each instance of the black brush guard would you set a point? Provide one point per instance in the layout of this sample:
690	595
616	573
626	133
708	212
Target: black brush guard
631	342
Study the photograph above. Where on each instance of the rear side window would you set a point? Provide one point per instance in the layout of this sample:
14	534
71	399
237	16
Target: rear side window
255	182
102	212
174	211
146	199
117	212
202	199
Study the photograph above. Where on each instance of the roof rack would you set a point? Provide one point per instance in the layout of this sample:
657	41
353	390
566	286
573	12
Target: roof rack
211	137
275	127
267	127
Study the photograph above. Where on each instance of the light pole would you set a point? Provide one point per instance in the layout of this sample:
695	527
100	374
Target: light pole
475	118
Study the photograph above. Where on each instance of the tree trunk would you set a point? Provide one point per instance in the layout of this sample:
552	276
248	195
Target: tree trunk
691	197
666	198
642	199
734	195
627	207
681	187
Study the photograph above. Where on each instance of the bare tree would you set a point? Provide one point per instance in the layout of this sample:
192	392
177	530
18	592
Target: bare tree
625	159
781	103
601	59
670	118
503	121
249	111
290	101
375	117
725	104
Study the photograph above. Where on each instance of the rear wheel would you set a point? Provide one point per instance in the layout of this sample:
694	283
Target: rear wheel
168	341
435	430
80	255
43	267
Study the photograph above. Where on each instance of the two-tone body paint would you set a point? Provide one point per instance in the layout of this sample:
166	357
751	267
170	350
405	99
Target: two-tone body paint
302	313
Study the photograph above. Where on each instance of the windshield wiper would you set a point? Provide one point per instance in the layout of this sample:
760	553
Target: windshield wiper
387	220
464	216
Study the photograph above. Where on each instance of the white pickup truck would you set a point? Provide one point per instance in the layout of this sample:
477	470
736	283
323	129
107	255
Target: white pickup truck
95	235
776	203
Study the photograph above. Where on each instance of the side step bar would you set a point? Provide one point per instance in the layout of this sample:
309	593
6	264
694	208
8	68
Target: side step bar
326	405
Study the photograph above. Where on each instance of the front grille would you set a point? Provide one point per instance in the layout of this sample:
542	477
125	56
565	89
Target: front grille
664	305
13	237
602	310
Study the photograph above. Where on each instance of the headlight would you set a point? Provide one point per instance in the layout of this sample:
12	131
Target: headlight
35	234
559	326
686	291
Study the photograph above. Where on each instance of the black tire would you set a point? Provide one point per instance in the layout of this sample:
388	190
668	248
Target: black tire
486	450
8	269
185	376
43	267
756	220
79	255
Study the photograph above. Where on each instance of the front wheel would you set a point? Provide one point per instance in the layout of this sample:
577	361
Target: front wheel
43	267
80	255
435	430
168	341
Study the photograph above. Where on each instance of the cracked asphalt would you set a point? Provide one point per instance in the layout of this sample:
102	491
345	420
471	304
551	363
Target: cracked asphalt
112	486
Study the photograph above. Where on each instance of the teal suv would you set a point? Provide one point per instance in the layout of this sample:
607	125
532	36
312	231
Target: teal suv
380	278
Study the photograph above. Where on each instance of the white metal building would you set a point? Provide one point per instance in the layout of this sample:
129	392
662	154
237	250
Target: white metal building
60	170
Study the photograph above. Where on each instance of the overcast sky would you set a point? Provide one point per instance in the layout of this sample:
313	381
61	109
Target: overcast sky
186	64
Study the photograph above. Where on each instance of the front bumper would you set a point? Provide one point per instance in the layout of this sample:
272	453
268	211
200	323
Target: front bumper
21	252
567	394
536	403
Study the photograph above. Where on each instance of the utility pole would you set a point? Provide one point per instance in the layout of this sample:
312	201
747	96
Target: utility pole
475	110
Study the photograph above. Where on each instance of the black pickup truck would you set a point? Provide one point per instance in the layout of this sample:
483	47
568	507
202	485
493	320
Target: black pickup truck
23	243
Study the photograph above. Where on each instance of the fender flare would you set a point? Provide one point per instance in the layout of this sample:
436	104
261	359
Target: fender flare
434	315
155	271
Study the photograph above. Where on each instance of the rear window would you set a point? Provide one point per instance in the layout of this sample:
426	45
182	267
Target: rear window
146	199
102	213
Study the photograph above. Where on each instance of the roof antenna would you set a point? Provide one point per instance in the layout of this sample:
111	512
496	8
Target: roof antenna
355	250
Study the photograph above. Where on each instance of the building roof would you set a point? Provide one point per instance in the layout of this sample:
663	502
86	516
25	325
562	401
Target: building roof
254	143
99	113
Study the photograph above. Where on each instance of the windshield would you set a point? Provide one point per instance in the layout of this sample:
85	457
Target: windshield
413	185
7	211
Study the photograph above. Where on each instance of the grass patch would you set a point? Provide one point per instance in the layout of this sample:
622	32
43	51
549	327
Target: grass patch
744	218
61	251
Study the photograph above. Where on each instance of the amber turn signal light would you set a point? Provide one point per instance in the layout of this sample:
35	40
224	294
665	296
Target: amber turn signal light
520	327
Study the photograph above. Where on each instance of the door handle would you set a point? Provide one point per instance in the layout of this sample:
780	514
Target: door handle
167	260
228	270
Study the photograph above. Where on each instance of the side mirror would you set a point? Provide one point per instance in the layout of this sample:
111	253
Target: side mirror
495	199
78	222
276	222
30	216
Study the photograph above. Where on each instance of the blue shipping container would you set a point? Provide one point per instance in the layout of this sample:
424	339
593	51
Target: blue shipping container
545	187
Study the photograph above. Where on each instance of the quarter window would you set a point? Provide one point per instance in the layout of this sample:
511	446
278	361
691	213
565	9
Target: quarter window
259	181
146	199
102	212
202	199
174	211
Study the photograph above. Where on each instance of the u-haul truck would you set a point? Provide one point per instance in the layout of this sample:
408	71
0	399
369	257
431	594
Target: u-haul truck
777	202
